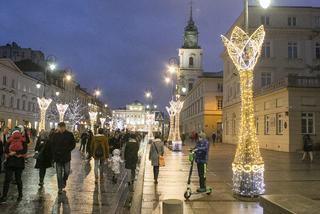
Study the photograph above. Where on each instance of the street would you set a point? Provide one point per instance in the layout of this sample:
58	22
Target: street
285	173
81	196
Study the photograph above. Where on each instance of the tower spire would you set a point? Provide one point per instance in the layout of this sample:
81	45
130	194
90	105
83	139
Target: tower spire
191	18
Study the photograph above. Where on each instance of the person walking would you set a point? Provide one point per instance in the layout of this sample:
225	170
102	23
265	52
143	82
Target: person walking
62	144
100	151
307	147
201	151
3	141
15	152
115	163
88	147
156	150
83	141
213	138
131	157
43	155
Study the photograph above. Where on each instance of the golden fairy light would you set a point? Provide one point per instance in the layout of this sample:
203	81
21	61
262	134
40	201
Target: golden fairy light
43	106
93	119
62	108
248	165
174	132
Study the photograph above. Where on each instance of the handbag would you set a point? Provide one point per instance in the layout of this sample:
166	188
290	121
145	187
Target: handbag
162	162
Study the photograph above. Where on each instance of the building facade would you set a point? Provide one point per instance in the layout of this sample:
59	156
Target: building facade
202	109
286	79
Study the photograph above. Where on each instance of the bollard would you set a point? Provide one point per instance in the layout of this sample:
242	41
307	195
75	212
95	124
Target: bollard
170	206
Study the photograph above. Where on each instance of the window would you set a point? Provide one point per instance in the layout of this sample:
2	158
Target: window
292	21
18	104
307	123
12	83
233	124
257	125
318	50
266	50
190	86
190	61
4	80
266	124
3	100
265	20
220	103
292	50
11	102
280	123
220	87
317	21
265	78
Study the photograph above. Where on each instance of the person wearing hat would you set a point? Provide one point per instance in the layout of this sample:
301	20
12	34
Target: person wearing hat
15	152
201	152
63	142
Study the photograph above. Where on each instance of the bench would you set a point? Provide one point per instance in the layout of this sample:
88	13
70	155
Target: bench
288	204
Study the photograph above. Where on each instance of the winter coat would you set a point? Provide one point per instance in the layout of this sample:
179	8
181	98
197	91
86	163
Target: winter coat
103	141
115	161
307	144
156	145
201	151
114	143
16	161
131	154
44	157
62	144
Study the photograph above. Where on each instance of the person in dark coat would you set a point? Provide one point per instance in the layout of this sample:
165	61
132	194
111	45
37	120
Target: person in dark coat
62	144
88	148
213	138
201	151
15	152
43	155
84	140
3	141
307	147
131	157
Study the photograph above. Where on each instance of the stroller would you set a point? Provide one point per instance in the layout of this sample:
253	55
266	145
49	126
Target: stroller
189	191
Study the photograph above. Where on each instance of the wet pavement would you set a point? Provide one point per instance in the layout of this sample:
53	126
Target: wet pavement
284	174
82	194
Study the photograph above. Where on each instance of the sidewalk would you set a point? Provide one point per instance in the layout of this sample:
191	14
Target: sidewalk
285	174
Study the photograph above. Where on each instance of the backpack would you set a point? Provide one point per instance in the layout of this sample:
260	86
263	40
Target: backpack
99	151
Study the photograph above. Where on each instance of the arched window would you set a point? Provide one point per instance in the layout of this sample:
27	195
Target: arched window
190	61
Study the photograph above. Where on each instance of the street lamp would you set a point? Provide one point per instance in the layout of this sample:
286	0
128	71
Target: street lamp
155	106
68	77
263	3
38	85
167	80
106	105
184	89
57	93
148	94
97	92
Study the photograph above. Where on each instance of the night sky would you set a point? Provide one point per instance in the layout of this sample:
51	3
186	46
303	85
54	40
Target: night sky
121	46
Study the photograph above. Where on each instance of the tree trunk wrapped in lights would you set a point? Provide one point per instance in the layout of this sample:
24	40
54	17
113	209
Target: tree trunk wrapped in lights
43	105
93	119
102	121
171	113
248	165
62	108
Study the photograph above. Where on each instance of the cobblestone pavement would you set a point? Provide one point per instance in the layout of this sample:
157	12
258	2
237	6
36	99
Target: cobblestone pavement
82	194
284	174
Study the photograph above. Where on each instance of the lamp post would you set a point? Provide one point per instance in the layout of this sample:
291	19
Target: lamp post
248	165
263	3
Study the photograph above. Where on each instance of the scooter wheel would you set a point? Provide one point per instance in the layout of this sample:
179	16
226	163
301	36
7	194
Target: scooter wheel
187	194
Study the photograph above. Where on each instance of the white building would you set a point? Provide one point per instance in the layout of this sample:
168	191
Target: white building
286	79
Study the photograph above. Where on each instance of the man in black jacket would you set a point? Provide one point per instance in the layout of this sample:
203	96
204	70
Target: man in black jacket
63	143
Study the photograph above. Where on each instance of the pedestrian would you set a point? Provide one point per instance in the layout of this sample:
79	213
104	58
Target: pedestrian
62	144
115	164
15	152
88	148
201	152
183	138
214	138
43	155
307	147
100	151
4	136
156	150
131	157
83	141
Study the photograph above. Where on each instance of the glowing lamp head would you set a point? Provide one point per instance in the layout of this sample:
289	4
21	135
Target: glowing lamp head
155	106
57	93
106	105
52	66
148	94
68	77
172	69
38	85
97	93
265	3
167	79
147	106
184	89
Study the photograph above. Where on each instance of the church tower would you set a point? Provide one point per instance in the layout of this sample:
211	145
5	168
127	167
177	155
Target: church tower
190	58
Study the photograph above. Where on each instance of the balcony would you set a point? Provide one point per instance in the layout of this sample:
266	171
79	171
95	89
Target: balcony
290	81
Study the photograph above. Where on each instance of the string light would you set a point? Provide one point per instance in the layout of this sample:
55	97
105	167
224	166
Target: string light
43	105
93	119
248	165
102	121
174	132
62	108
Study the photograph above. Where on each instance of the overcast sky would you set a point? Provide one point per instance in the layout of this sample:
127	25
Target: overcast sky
121	46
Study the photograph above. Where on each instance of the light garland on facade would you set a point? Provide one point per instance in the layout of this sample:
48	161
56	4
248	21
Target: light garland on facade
93	119
43	106
62	108
248	165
